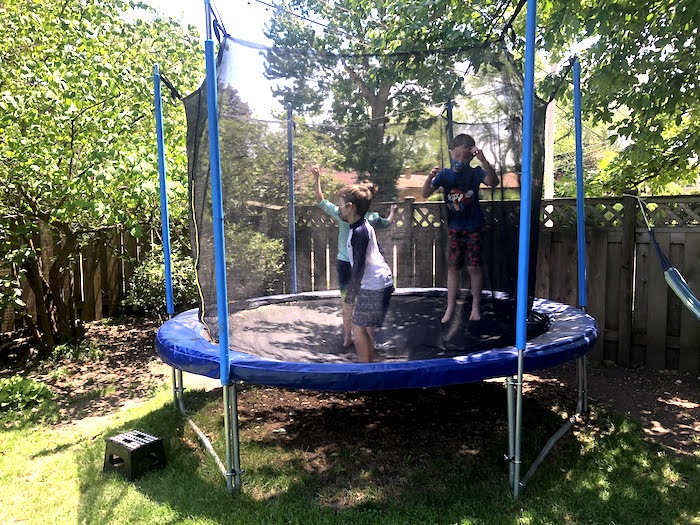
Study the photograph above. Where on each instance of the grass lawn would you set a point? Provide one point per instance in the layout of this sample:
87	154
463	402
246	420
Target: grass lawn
334	464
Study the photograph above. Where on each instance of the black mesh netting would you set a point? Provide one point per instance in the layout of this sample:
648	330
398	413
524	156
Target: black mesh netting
254	149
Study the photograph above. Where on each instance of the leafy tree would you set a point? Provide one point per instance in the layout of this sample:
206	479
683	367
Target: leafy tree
640	78
373	60
77	149
640	69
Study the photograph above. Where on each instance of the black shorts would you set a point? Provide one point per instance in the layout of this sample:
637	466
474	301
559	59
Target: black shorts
344	269
371	307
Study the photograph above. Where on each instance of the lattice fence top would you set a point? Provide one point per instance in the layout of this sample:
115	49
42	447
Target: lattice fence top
681	212
601	213
605	213
313	217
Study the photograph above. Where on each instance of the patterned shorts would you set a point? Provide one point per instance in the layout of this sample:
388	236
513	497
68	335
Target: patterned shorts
371	307
465	246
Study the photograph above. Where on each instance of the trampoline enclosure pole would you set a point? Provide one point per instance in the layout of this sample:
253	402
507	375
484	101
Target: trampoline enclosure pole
291	213
580	229
524	240
218	224
580	207
165	223
450	125
217	203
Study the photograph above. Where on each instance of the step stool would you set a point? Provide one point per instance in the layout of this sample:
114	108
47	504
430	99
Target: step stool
133	453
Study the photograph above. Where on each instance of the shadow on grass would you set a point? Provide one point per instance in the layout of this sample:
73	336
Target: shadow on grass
414	456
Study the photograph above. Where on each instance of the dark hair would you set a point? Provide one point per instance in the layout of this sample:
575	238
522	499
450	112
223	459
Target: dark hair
463	140
360	194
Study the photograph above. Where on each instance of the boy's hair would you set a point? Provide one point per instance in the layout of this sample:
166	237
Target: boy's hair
360	194
463	140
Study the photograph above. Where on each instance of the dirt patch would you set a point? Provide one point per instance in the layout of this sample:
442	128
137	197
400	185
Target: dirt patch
666	403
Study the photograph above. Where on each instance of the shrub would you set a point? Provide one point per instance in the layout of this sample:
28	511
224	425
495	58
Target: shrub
147	286
18	394
81	351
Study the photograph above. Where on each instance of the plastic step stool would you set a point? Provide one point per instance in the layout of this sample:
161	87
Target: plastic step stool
133	453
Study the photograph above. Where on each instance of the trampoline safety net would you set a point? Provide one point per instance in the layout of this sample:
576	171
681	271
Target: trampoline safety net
329	130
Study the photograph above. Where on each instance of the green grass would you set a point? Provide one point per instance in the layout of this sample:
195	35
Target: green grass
605	473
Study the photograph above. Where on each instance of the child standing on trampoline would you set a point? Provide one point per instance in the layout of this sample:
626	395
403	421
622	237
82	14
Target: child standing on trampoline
465	219
343	266
371	283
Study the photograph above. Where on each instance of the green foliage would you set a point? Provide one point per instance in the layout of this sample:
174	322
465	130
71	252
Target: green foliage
18	394
77	351
639	78
256	264
146	293
77	153
421	146
356	75
639	71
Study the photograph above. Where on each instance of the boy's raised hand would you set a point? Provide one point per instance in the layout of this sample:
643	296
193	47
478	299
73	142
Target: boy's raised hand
316	170
478	153
434	171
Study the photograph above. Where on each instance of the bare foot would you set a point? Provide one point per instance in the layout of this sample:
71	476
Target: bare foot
348	344
446	318
475	316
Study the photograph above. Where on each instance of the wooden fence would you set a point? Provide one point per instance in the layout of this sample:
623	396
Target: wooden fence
641	321
99	277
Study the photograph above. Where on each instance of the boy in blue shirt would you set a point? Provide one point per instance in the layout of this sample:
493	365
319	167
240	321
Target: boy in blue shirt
465	219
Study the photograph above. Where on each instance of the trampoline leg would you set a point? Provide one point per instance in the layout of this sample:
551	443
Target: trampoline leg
517	485
178	393
178	387
233	456
510	402
582	382
581	407
174	378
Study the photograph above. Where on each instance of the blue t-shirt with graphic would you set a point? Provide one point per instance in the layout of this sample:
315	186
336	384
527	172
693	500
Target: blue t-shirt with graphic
461	190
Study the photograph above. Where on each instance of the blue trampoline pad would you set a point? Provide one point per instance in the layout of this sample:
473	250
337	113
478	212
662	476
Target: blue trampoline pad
295	341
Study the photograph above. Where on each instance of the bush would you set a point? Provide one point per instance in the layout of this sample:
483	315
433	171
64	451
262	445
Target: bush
18	394
81	351
147	286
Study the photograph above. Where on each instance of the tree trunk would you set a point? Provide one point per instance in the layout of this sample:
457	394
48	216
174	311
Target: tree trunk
62	289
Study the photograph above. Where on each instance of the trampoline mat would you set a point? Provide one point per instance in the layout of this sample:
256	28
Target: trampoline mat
310	330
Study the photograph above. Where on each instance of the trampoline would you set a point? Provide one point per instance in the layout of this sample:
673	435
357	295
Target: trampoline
241	252
294	341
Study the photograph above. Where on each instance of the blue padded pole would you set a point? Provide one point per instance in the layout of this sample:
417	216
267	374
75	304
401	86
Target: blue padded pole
217	203
165	221
291	213
233	458
524	239
580	207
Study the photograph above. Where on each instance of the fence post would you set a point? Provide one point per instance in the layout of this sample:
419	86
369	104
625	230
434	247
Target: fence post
405	253
629	222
